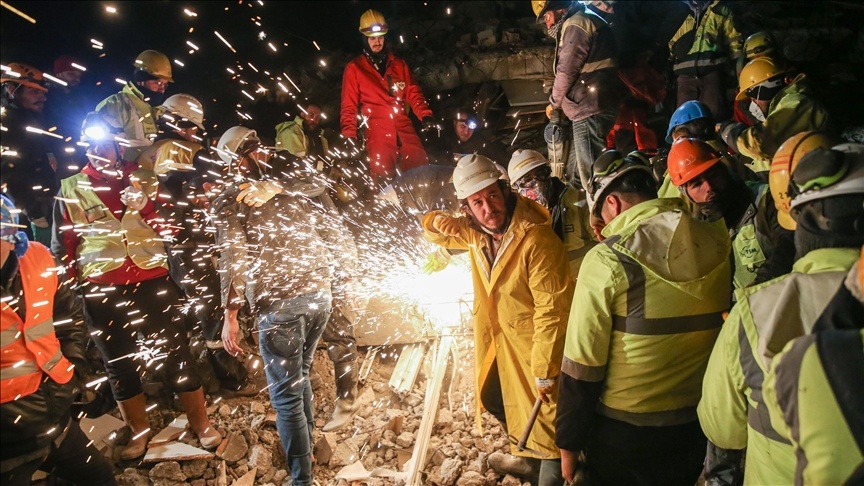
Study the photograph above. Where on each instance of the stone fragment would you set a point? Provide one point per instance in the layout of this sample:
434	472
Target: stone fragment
168	471
471	478
449	472
195	468
235	448
405	440
260	458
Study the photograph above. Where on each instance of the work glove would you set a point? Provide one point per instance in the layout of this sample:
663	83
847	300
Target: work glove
729	132
436	261
446	225
256	193
133	197
429	124
552	113
545	387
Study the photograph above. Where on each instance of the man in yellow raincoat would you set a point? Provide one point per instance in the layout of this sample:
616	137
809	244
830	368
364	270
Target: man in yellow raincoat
522	294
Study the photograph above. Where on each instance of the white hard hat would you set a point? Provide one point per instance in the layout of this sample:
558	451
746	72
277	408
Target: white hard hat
388	194
824	173
187	107
231	140
524	161
474	173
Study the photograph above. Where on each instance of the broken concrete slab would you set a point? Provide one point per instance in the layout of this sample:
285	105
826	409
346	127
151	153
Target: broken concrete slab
101	427
175	451
247	479
234	448
172	432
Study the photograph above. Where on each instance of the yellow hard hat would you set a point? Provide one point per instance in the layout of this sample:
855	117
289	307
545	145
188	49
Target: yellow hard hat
540	7
759	44
155	64
757	72
784	162
372	23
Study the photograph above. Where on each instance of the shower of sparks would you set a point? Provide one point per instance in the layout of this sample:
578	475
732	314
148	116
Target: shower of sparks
18	12
225	41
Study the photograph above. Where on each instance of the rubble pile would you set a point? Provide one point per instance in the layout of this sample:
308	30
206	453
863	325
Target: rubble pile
379	441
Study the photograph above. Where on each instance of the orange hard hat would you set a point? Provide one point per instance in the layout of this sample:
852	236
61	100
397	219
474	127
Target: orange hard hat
688	158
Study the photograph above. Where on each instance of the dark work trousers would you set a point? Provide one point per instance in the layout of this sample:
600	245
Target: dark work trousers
74	459
708	89
192	269
117	314
621	453
339	333
491	396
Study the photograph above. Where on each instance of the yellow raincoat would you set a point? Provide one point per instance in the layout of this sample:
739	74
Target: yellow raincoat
521	305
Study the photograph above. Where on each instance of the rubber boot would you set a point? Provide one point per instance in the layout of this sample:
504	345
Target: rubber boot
134	412
346	395
196	413
522	467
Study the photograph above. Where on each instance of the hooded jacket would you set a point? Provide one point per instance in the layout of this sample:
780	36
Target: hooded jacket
521	303
646	312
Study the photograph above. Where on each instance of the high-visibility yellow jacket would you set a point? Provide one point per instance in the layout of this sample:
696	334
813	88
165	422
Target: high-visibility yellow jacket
815	394
165	155
793	110
646	312
521	303
572	214
765	317
705	44
291	137
105	240
137	117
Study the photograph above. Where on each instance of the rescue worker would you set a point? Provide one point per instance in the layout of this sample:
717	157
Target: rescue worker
586	88
787	105
110	235
466	136
760	44
828	192
640	332
704	51
693	119
762	249
135	105
531	176
303	136
41	362
167	166
29	160
517	338
377	91
814	395
281	258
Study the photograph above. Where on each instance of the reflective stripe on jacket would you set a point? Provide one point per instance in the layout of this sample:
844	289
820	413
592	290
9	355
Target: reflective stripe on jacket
586	74
646	313
793	110
704	45
29	347
766	317
105	240
136	116
815	396
521	303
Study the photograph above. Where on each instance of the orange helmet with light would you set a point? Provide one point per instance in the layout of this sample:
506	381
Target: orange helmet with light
784	162
688	158
25	75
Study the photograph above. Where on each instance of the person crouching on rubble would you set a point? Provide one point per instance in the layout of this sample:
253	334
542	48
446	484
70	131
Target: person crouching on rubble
522	289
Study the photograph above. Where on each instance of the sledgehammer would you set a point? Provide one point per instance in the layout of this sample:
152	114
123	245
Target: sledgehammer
530	425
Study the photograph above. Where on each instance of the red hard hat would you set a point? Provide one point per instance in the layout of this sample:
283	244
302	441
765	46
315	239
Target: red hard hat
688	158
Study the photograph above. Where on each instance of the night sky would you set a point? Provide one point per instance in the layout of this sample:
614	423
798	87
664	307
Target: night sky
291	27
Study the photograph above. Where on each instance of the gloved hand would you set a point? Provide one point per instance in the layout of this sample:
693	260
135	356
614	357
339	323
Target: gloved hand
429	124
133	197
545	388
550	112
256	193
436	261
446	225
729	131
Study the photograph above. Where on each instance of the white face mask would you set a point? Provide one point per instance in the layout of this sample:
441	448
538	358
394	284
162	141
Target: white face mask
756	111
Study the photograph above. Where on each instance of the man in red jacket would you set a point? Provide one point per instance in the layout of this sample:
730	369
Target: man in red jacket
377	92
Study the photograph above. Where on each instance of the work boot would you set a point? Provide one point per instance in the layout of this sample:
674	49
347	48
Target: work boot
346	395
195	407
523	467
232	374
134	412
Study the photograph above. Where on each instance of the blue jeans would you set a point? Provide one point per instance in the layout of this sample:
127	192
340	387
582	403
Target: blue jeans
289	330
589	141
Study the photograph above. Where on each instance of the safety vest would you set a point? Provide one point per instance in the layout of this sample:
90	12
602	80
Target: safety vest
764	319
107	241
29	347
164	156
137	116
704	45
645	325
815	393
576	227
749	244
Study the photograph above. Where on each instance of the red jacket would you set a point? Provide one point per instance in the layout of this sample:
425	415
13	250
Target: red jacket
383	99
